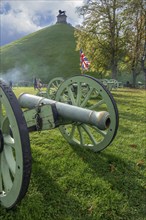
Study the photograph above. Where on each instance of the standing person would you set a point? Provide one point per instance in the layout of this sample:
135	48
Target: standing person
35	83
10	84
39	84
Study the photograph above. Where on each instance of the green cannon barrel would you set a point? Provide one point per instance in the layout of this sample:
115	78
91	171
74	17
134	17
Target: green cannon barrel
73	113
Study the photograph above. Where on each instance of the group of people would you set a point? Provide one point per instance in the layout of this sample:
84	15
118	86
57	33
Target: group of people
37	84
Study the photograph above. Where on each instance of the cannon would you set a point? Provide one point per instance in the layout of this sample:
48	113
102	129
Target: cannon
54	84
84	111
52	88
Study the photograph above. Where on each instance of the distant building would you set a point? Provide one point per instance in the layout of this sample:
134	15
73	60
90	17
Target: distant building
61	18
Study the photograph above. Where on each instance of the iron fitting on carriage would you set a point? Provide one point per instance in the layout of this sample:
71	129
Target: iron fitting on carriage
68	112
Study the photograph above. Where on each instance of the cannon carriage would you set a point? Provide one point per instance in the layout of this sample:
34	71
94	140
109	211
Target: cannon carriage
83	119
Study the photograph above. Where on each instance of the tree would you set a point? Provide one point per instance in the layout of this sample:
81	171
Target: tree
113	36
143	60
101	34
134	33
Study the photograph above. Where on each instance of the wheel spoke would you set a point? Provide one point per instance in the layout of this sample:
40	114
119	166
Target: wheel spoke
81	135
10	159
103	133
83	104
72	131
57	84
97	105
7	181
71	95
54	86
8	140
79	94
64	98
87	130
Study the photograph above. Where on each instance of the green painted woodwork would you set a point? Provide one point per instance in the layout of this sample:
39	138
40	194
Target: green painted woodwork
87	92
15	155
53	87
44	113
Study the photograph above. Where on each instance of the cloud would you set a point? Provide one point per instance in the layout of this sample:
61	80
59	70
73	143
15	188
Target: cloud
21	17
5	8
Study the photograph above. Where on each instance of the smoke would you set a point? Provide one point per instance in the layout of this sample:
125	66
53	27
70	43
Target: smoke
15	75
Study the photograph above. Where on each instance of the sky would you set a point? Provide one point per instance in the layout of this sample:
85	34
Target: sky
19	18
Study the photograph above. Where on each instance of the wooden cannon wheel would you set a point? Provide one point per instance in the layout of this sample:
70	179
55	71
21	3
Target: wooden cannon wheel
80	91
15	154
53	87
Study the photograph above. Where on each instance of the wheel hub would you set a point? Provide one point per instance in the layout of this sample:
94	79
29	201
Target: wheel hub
1	142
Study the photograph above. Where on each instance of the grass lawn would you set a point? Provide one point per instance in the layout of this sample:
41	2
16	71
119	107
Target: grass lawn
71	183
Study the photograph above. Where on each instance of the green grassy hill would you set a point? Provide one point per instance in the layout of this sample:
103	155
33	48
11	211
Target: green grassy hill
46	54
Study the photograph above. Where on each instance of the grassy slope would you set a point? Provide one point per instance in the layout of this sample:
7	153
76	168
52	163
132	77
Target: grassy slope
46	54
70	183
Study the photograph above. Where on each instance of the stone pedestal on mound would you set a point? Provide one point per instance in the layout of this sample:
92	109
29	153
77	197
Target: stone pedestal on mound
61	18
